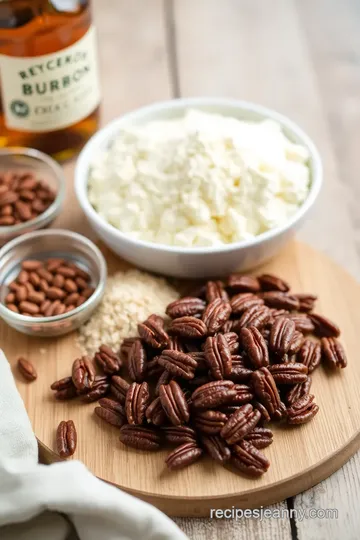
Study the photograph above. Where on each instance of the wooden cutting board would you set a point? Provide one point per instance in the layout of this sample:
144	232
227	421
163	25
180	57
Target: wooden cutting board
300	456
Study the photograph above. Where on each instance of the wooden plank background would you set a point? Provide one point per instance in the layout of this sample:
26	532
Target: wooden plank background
301	57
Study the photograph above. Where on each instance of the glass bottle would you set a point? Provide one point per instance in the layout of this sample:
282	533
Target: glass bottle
49	80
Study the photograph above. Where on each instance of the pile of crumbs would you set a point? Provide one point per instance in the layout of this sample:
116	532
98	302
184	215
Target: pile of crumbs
129	298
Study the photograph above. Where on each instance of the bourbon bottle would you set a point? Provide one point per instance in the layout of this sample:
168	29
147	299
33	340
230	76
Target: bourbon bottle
49	80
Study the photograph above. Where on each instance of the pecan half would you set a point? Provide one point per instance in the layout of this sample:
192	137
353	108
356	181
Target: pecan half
152	331
213	394
137	401
126	346
183	456
216	314
296	343
243	301
26	369
215	289
155	413
119	388
265	390
333	352
280	300
210	422
298	391
281	335
218	356
137	362
303	410
232	340
174	403
164	378
178	363
244	394
239	372
66	438
324	327
306	301
64	389
188	327
111	412
240	423
310	355
216	448
185	307
303	323
83	373
255	346
249	459
260	437
270	282
179	435
141	438
256	316
265	416
98	390
291	373
240	283
109	362
175	344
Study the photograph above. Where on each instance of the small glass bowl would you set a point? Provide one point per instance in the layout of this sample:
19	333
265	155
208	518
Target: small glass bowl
43	245
49	171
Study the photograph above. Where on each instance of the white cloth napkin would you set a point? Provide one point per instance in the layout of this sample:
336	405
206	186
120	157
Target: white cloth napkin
63	501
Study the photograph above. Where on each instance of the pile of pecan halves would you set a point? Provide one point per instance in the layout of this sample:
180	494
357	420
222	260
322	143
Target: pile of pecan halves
231	358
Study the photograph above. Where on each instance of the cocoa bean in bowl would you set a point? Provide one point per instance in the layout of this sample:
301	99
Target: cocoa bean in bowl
50	282
32	190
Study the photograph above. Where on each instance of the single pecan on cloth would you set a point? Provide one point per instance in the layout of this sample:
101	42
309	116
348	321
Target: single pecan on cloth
216	447
216	314
153	333
269	282
26	369
241	283
178	363
256	316
137	362
303	410
240	423
179	434
260	437
137	401
183	456
209	421
213	394
291	373
64	389
111	412
83	373
187	306
266	391
333	352
310	355
280	300
248	459
98	390
155	413
119	388
324	327
215	289
139	437
298	391
108	360
281	335
218	356
66	438
243	301
174	403
255	346
188	327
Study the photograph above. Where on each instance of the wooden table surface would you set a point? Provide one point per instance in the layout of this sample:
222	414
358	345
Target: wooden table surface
301	57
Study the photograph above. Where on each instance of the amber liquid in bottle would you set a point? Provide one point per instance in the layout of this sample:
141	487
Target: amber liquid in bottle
30	29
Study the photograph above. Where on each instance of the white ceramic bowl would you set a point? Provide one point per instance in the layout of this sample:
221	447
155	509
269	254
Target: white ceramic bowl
201	261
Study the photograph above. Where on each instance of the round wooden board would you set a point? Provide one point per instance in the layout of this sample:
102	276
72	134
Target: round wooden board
300	456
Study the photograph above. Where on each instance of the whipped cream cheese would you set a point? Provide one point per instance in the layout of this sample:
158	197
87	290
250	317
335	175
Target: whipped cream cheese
199	180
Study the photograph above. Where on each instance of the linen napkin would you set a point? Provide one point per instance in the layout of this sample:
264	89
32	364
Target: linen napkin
63	501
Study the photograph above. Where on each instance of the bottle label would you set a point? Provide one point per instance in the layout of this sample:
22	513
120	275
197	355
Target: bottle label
53	91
